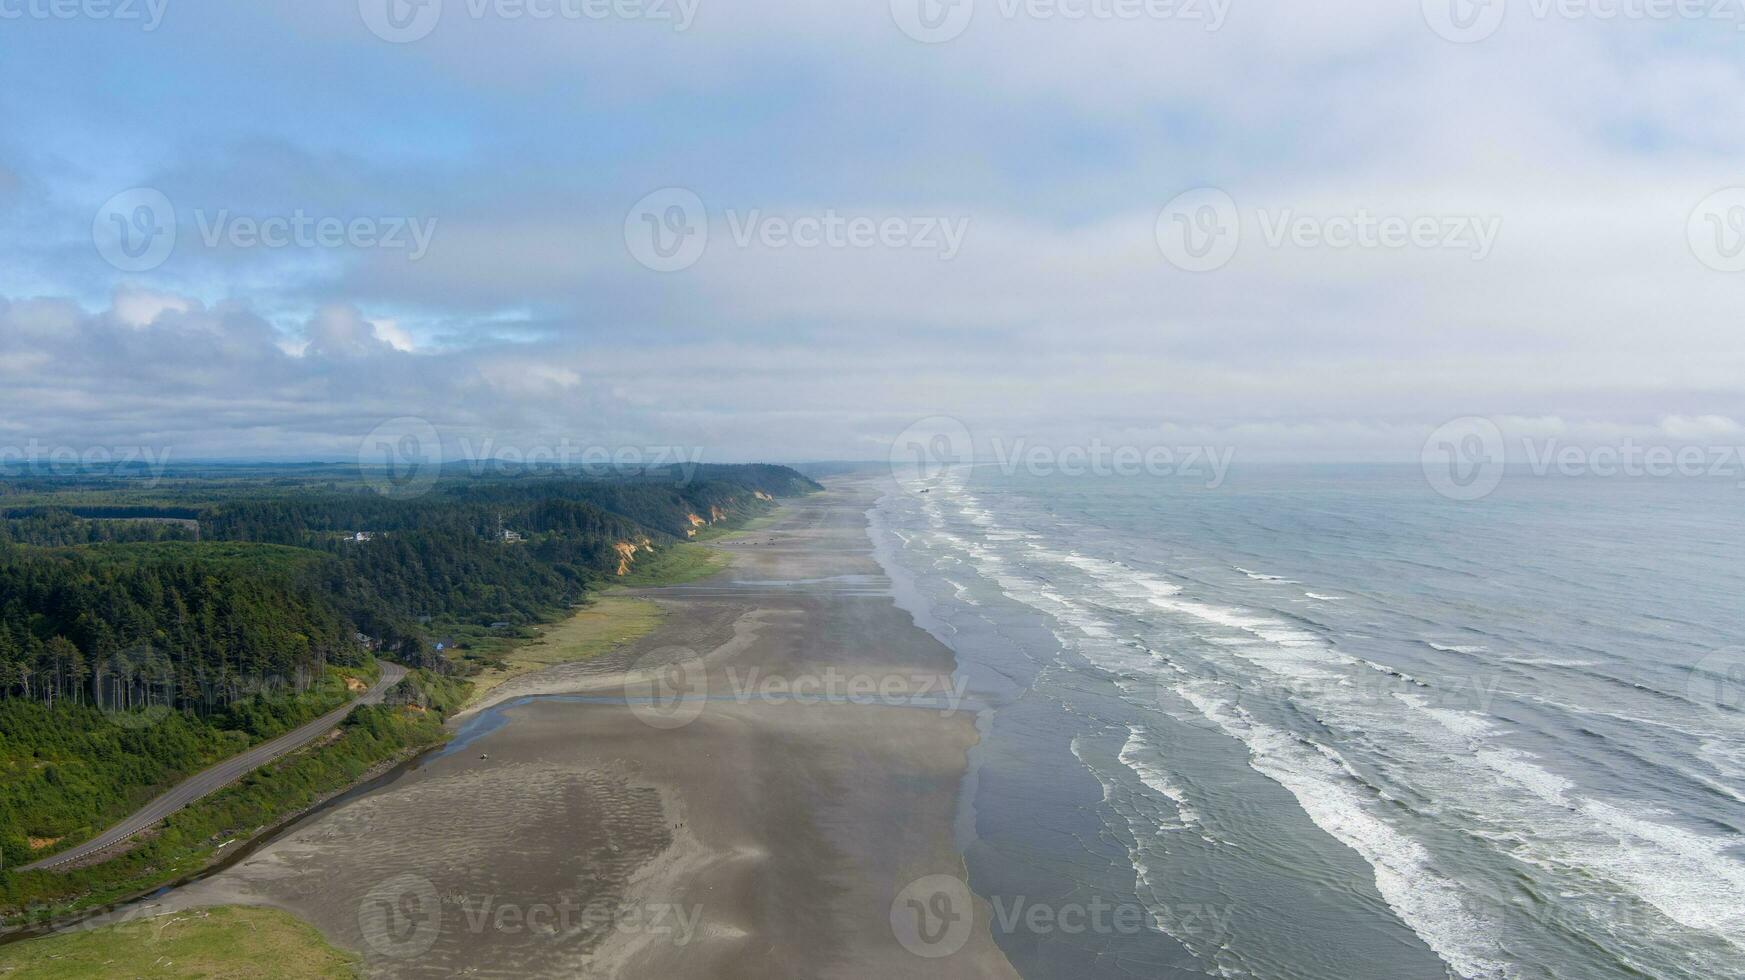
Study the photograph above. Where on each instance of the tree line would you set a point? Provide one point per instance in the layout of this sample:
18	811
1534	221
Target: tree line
119	614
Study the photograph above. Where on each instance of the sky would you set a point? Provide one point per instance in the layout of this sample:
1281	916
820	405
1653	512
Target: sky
791	229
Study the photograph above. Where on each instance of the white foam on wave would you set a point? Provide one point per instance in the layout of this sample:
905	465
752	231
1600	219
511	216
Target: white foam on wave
1133	756
1263	577
1725	754
1691	878
961	591
1149	889
1325	787
1540	818
1550	662
1392	672
1324	598
1680	728
1077	752
1117	579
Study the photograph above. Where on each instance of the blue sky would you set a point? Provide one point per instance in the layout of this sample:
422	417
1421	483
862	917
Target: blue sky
1593	148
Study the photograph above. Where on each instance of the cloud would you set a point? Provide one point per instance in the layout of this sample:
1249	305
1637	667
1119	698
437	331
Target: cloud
138	307
1056	142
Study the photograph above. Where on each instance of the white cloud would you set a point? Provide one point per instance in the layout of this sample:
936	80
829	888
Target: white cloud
137	307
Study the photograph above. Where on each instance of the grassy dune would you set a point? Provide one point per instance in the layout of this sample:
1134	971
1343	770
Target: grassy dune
683	562
216	942
600	626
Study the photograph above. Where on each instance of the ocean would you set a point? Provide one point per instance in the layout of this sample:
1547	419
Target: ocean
1324	722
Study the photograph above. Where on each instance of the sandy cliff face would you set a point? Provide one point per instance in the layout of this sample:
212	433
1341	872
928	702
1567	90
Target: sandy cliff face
627	553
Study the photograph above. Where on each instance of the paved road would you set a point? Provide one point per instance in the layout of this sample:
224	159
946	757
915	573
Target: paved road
209	781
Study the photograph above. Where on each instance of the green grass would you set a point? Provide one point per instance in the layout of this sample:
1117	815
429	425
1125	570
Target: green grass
191	839
210	942
683	562
599	627
716	532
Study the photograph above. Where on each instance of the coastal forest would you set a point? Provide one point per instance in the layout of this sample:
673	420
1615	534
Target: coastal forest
150	628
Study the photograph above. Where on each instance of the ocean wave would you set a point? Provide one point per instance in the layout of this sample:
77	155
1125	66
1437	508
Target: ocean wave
1263	577
1690	878
1456	648
1155	777
1431	904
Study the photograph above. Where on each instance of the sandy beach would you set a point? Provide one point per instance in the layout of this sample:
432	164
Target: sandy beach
763	787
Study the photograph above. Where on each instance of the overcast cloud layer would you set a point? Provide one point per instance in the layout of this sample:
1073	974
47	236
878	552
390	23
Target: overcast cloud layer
1540	228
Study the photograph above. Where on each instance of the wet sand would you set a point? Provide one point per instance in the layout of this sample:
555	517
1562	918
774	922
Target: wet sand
750	791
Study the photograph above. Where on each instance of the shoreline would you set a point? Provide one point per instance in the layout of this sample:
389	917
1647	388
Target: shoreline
791	830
